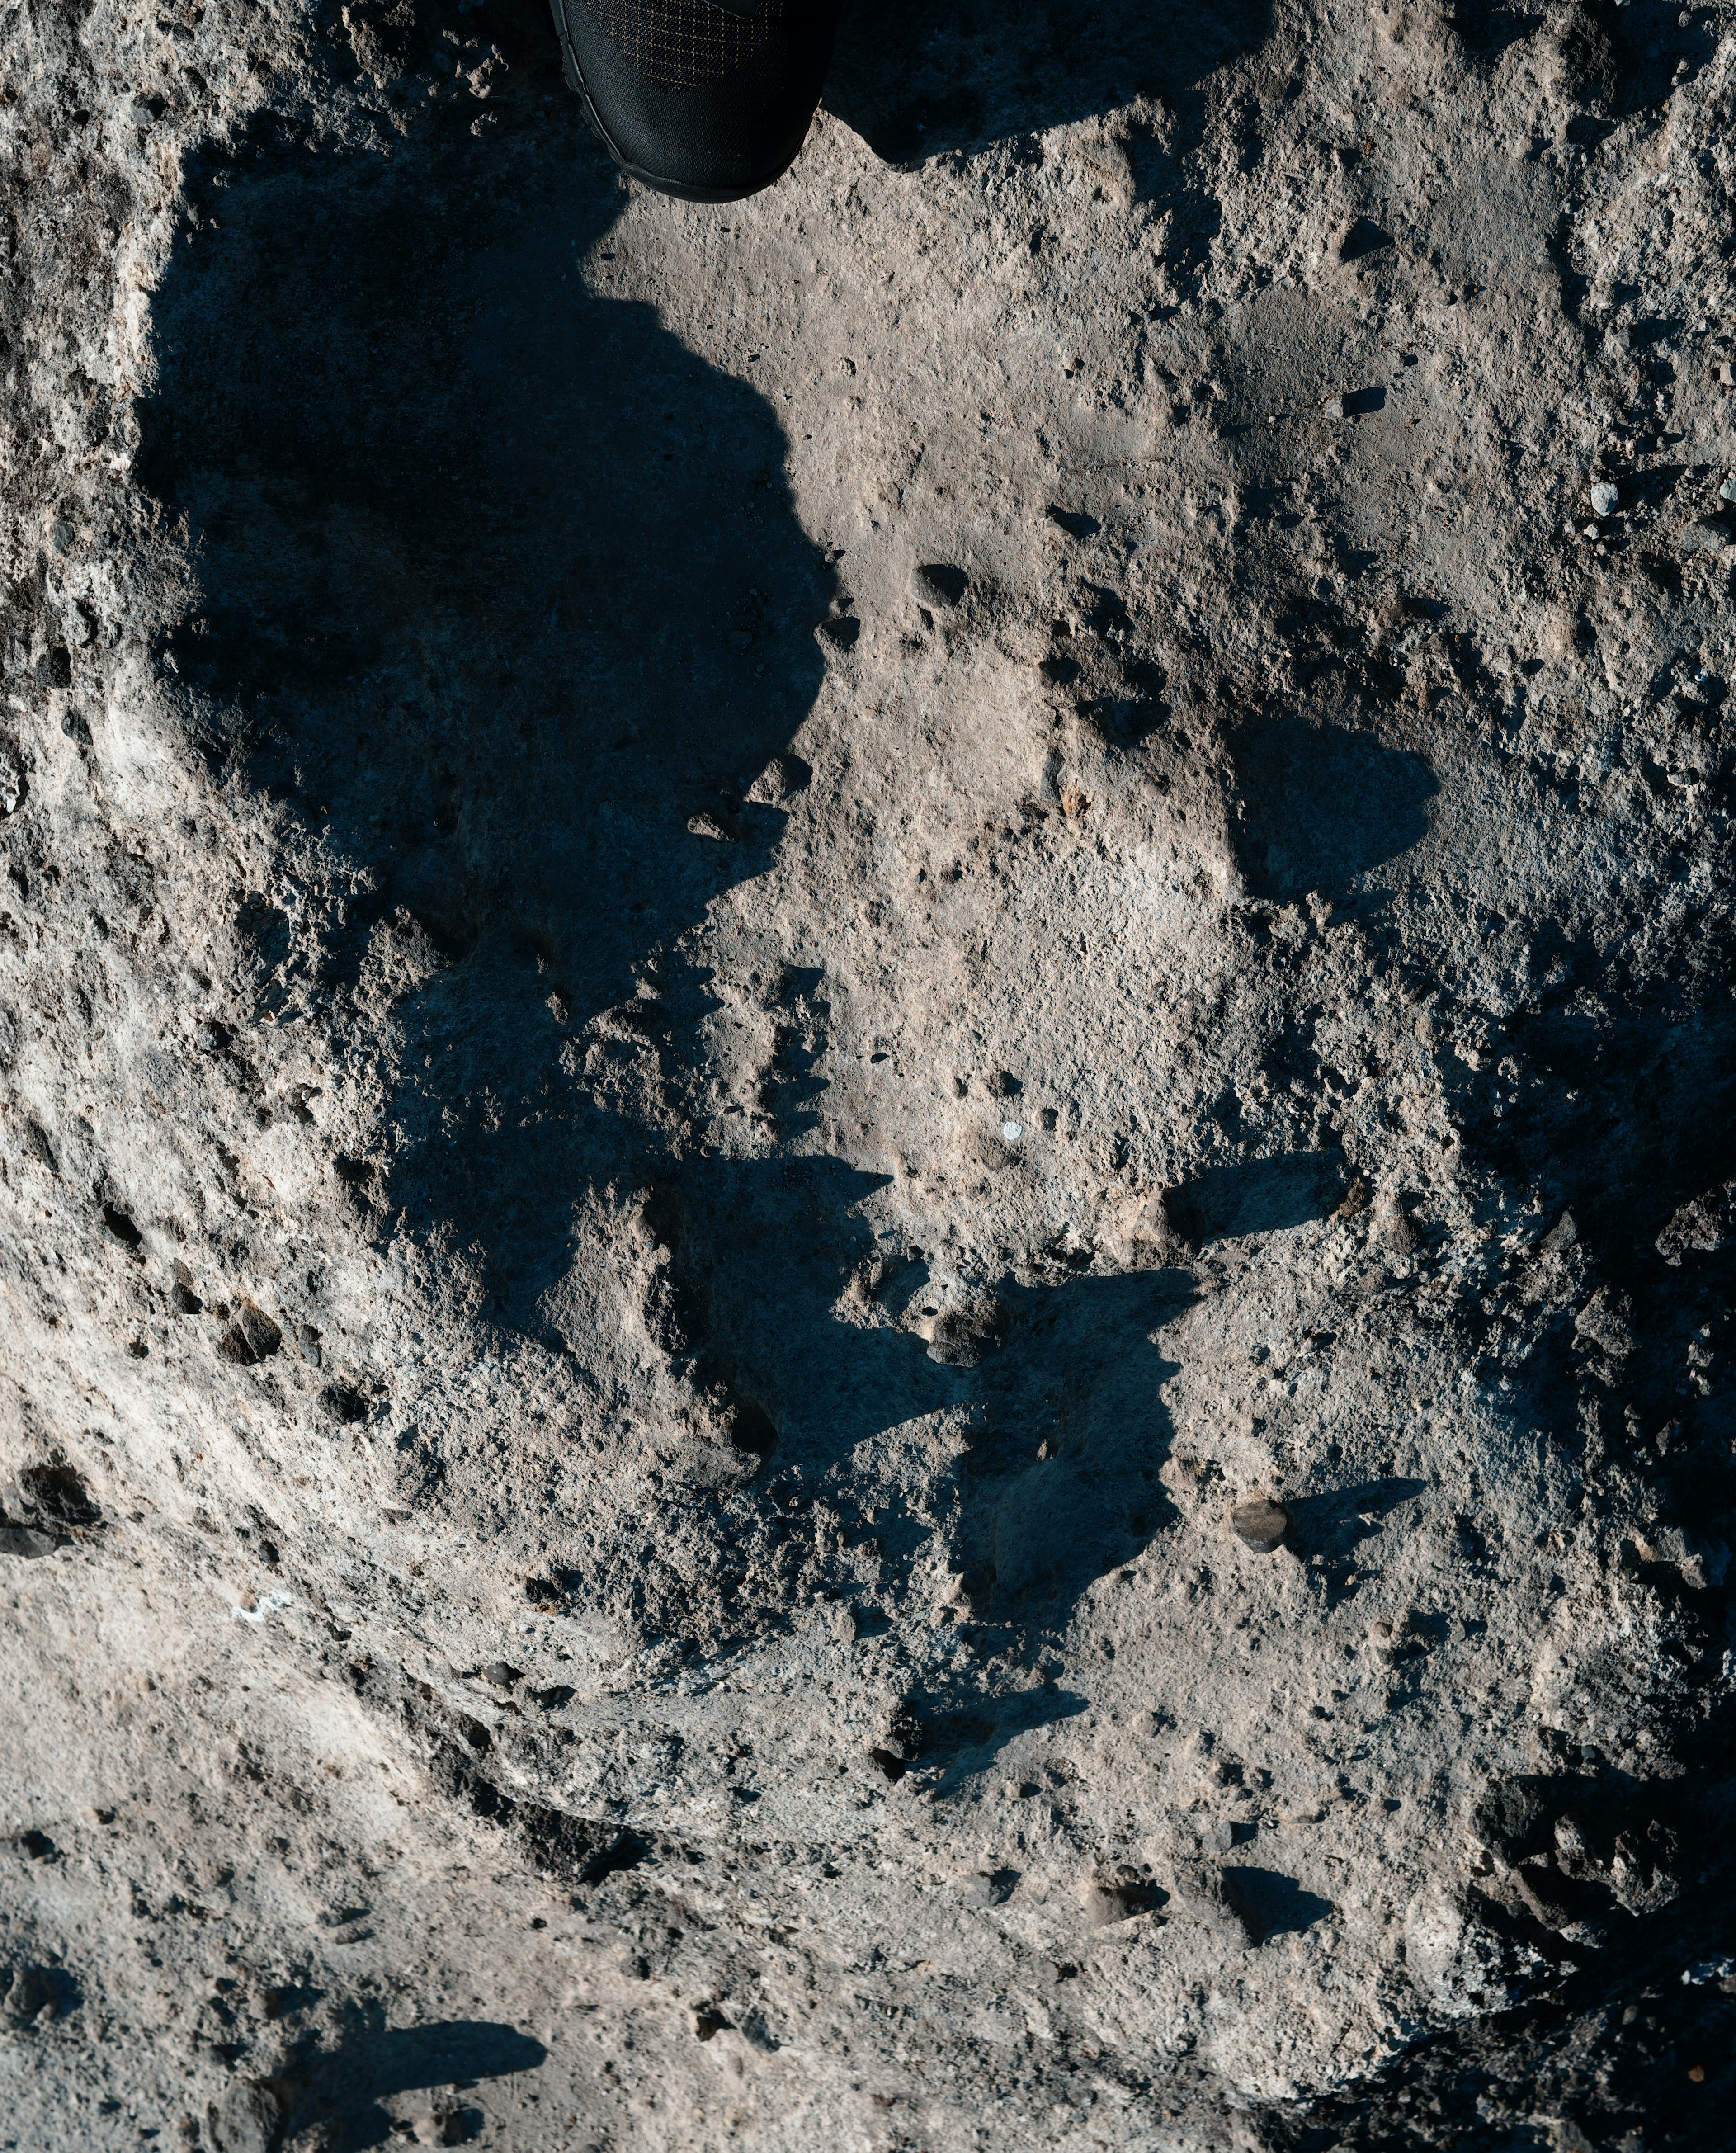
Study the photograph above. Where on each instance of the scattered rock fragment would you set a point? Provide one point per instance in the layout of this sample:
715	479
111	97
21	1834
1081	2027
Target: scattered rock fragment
1703	1226
247	2119
1549	1275
1395	1229
1259	1525
1706	534
1120	1896
25	1542
252	1336
1606	497
1603	1321
56	1497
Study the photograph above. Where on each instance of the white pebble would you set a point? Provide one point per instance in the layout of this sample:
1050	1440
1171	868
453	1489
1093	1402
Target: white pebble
1606	497
1012	1131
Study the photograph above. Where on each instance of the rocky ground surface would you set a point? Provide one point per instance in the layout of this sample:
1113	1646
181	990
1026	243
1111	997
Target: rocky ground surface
866	1080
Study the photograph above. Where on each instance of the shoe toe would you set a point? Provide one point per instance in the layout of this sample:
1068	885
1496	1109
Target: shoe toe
700	98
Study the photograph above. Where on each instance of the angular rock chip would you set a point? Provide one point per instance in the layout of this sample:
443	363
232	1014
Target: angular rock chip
24	1540
1261	1524
253	1337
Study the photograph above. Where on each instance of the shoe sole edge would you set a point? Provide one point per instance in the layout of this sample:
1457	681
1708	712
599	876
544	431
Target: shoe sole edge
678	189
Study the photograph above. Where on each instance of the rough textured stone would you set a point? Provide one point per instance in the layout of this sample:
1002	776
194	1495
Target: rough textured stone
739	949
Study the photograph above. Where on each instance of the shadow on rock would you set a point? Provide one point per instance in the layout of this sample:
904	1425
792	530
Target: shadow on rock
338	2091
916	78
808	1342
500	588
1326	1530
1275	1905
1318	807
1257	1196
1063	1469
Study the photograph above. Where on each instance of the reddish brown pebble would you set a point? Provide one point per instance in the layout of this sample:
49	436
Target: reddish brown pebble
1261	1524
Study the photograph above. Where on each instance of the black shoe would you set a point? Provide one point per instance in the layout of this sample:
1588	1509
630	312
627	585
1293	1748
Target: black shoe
709	100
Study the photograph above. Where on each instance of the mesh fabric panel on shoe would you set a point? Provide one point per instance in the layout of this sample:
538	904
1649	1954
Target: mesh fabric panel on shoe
682	45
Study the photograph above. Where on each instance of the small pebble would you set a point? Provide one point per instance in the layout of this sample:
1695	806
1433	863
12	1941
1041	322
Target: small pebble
1706	534
1606	497
1261	1524
1727	492
1012	1131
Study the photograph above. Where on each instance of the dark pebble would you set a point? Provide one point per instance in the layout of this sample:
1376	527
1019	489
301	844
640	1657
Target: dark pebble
1261	1524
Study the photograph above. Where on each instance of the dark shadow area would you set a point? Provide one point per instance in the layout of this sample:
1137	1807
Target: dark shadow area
1317	807
338	2091
1613	58
1488	28
1640	1871
1257	1196
576	1849
1626	1116
1068	1432
499	589
1327	1530
919	78
34	1994
961	1728
1273	1904
1605	1102
1365	238
915	77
